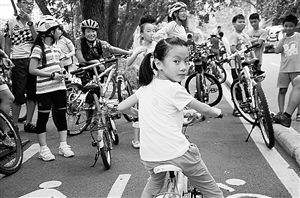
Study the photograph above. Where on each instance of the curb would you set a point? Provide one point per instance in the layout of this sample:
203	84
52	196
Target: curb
288	138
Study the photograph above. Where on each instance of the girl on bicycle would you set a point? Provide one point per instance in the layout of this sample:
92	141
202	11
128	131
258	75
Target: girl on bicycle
51	89
161	100
145	45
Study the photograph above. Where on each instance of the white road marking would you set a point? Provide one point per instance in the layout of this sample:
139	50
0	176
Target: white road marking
281	168
118	187
225	187
27	154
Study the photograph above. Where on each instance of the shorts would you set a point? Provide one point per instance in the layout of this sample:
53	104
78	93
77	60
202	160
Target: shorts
284	79
22	81
57	99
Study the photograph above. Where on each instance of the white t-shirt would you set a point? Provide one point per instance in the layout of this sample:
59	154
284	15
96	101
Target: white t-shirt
161	106
172	29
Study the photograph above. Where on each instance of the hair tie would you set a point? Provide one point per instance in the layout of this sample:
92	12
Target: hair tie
151	61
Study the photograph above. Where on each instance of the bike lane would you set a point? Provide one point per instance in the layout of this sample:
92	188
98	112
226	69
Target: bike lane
238	166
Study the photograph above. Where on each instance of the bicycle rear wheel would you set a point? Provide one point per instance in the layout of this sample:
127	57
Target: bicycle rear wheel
212	90
264	117
124	91
11	151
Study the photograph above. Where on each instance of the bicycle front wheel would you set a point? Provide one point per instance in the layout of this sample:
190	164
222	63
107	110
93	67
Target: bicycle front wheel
211	93
11	151
124	91
105	150
264	117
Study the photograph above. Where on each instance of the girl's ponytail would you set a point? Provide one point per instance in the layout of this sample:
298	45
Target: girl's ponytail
146	73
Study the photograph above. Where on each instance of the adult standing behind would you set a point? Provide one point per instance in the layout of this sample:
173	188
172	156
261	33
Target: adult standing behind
178	14
20	34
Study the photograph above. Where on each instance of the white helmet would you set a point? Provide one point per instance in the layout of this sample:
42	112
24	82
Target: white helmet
46	23
175	7
89	23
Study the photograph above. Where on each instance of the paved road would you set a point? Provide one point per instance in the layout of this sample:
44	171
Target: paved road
259	170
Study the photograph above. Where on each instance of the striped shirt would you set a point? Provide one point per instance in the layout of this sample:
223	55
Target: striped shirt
45	84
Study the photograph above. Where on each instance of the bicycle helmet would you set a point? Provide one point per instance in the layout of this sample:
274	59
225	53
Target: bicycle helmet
46	23
175	7
89	23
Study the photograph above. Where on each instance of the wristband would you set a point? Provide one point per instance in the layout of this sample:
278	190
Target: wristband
29	23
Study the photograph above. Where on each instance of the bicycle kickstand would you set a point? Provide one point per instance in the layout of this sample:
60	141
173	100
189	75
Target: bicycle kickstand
96	159
253	126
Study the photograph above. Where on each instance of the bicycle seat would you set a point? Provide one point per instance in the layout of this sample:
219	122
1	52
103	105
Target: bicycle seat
89	87
253	61
165	168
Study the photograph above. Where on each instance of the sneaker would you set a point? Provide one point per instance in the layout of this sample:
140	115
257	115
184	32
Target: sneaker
7	141
65	151
236	113
30	128
135	144
298	117
281	118
46	155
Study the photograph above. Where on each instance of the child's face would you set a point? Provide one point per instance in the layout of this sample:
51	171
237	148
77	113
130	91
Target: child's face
239	25
148	32
175	64
254	23
57	33
90	34
289	28
182	14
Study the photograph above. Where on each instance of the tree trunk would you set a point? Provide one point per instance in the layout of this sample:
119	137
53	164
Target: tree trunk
113	15
43	7
94	9
126	37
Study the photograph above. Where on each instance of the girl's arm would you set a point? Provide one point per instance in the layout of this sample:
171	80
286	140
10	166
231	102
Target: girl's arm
34	62
204	108
126	105
135	53
71	48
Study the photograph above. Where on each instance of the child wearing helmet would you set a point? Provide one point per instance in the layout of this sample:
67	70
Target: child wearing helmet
89	49
44	63
178	14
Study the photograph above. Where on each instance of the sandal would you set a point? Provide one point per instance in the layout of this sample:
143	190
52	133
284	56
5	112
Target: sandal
236	113
298	117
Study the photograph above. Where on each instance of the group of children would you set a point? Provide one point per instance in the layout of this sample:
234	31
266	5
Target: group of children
159	68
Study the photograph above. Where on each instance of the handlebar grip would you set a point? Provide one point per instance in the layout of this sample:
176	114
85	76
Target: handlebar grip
76	71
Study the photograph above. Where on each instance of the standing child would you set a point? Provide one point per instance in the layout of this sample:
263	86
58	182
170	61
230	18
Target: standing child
67	48
51	89
257	36
177	16
146	45
161	101
289	47
238	41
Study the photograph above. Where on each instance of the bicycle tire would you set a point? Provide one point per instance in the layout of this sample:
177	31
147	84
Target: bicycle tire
215	91
123	93
221	74
265	123
78	119
235	92
112	130
111	89
11	156
105	150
